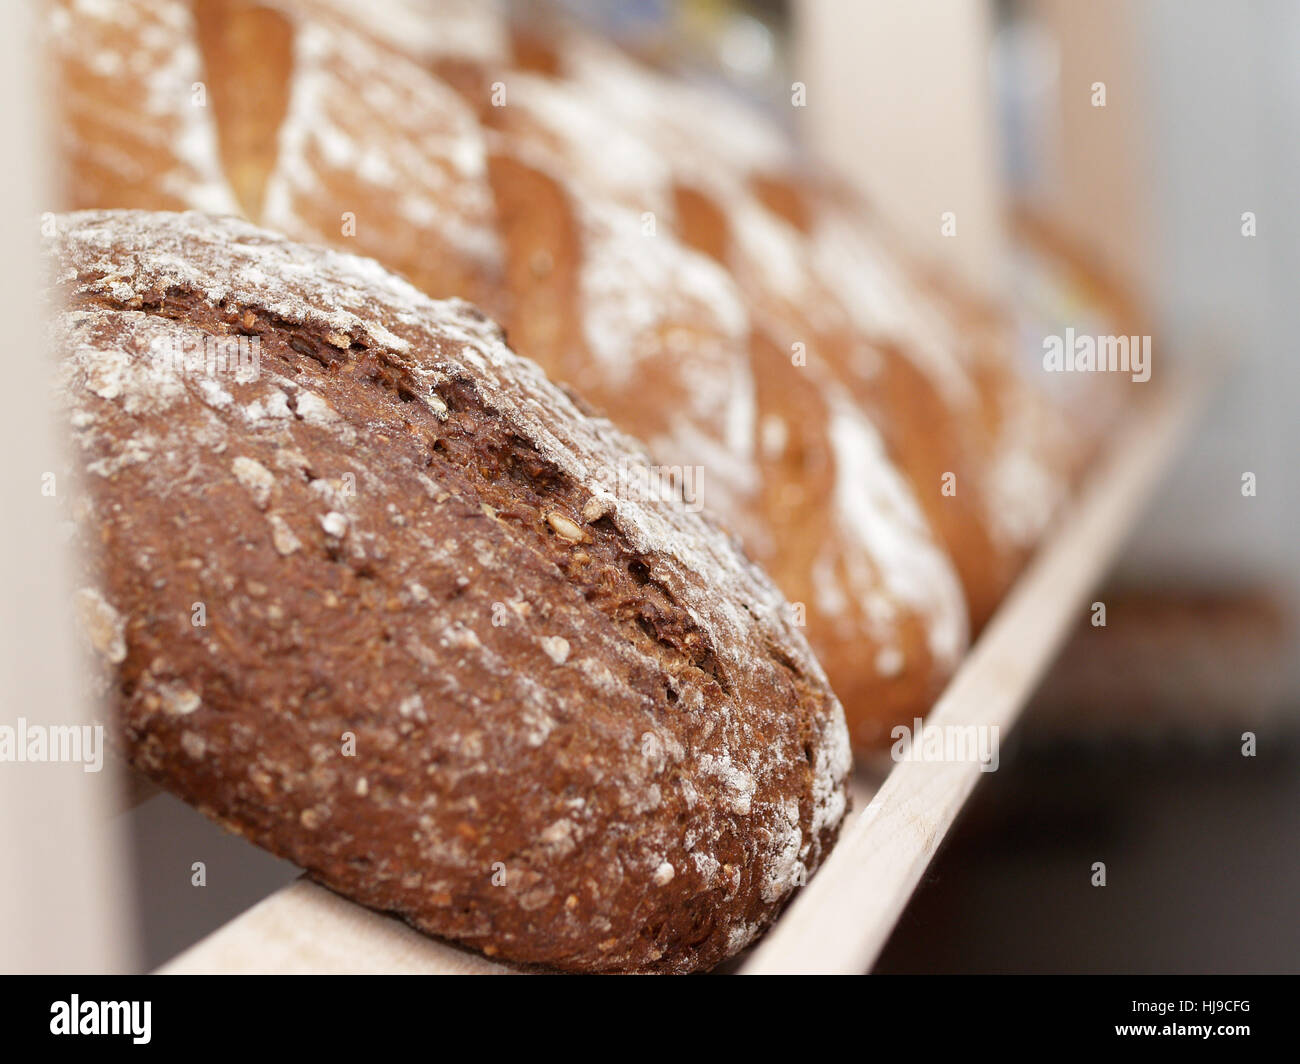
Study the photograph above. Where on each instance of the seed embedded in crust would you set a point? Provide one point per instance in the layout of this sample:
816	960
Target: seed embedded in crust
282	535
556	647
334	524
566	528
595	508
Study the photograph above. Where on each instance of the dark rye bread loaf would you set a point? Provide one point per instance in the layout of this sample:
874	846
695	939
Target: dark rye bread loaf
585	735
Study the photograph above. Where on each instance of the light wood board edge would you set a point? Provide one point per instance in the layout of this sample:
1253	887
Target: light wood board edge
304	929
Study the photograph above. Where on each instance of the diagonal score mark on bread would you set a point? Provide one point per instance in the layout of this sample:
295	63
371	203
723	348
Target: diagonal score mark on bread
247	56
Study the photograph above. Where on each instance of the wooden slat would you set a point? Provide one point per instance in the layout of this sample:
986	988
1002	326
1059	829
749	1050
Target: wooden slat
304	929
840	922
63	902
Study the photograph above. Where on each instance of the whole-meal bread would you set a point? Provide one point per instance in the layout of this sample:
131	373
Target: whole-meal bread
365	591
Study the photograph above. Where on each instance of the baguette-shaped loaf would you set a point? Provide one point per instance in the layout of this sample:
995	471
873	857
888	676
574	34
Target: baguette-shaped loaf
365	591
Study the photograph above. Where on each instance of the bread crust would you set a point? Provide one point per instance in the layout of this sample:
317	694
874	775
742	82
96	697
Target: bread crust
442	664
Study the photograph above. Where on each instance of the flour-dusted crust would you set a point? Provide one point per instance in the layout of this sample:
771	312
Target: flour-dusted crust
442	665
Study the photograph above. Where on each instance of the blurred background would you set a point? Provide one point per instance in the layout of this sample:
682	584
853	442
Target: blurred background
1133	161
